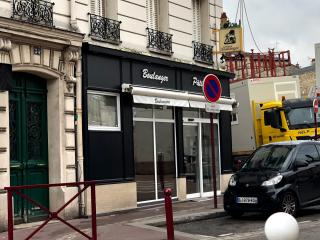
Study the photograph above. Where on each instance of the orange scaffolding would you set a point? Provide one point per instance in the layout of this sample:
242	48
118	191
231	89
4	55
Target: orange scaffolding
258	65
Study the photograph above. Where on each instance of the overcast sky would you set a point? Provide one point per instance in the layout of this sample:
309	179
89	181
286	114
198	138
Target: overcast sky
282	24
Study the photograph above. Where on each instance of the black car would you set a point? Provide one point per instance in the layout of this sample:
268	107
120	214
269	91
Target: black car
282	176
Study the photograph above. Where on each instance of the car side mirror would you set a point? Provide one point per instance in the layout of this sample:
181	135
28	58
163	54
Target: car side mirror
301	163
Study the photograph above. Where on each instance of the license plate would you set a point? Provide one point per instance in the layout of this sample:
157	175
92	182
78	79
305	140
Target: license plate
249	200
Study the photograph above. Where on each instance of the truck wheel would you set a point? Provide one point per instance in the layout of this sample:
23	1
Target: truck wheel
289	204
235	214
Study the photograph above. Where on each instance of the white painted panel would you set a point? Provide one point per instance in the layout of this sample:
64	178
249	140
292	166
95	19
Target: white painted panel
215	11
180	25
132	25
186	3
130	39
5	8
139	2
62	7
215	22
243	138
82	11
84	27
83	2
216	2
129	9
181	38
182	52
62	22
181	12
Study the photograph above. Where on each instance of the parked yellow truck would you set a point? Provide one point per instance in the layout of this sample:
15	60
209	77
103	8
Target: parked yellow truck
283	120
276	121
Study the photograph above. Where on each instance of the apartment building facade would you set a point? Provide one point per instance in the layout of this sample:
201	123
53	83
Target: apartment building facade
110	90
145	66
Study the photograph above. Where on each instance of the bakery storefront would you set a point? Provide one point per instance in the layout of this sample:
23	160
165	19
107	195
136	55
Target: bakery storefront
145	128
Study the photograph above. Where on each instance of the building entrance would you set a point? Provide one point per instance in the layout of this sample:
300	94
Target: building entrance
29	144
154	151
197	153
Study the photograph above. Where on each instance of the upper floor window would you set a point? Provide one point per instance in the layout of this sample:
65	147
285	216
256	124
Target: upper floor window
103	23
202	51
159	40
105	8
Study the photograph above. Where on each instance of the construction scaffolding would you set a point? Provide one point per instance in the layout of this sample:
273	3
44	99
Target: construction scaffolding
257	65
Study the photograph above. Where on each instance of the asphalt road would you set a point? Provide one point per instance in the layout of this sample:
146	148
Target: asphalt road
251	226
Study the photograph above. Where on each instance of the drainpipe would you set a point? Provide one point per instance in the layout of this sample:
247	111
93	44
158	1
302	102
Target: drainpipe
78	135
73	16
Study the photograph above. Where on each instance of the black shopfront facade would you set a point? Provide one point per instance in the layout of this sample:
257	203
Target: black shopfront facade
145	123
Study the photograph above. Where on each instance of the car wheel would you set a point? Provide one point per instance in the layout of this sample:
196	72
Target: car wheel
289	204
235	214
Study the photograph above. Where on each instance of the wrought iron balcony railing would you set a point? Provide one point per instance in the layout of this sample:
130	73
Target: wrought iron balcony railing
202	53
33	11
105	29
159	41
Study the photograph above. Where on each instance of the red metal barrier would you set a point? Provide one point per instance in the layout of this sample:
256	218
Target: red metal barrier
169	213
53	215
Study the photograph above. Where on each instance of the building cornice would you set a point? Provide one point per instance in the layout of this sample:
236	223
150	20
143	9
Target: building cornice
35	34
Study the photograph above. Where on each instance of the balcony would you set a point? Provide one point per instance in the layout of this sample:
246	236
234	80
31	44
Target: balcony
159	42
105	29
202	53
33	11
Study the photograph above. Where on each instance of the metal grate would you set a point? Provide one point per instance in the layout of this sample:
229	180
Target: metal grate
33	11
105	28
159	41
202	53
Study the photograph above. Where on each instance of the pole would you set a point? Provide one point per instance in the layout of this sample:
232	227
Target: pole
10	215
169	213
93	212
213	163
316	126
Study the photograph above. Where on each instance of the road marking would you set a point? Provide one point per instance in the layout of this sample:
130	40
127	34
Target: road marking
225	235
307	221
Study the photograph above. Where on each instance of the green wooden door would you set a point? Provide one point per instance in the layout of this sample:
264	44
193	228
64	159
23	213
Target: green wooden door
29	143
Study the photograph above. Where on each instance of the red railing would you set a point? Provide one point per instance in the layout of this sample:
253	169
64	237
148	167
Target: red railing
53	215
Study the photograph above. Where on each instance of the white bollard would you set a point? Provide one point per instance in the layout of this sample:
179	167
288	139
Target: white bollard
281	226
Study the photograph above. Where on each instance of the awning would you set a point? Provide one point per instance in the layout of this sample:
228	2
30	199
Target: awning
160	101
146	95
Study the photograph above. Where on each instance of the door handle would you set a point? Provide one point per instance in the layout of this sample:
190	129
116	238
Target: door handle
18	166
41	164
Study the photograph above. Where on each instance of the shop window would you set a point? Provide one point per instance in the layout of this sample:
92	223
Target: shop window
103	111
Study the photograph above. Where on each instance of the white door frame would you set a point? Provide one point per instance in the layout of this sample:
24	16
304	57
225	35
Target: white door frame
198	122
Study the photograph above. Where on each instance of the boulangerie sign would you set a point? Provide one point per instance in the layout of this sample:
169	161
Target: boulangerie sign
147	74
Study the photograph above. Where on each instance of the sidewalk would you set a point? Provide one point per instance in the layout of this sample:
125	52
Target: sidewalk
135	224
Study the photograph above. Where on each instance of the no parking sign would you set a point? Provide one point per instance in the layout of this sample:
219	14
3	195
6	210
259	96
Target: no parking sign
211	88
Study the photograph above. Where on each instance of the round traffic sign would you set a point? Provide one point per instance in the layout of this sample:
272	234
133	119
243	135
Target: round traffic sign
315	105
211	88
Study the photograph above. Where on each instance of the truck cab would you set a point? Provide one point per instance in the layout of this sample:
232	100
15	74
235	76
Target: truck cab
284	120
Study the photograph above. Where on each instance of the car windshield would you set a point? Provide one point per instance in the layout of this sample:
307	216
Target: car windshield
268	157
301	118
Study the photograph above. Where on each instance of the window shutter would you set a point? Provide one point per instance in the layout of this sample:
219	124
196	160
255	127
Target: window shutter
156	14
196	20
152	13
97	7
